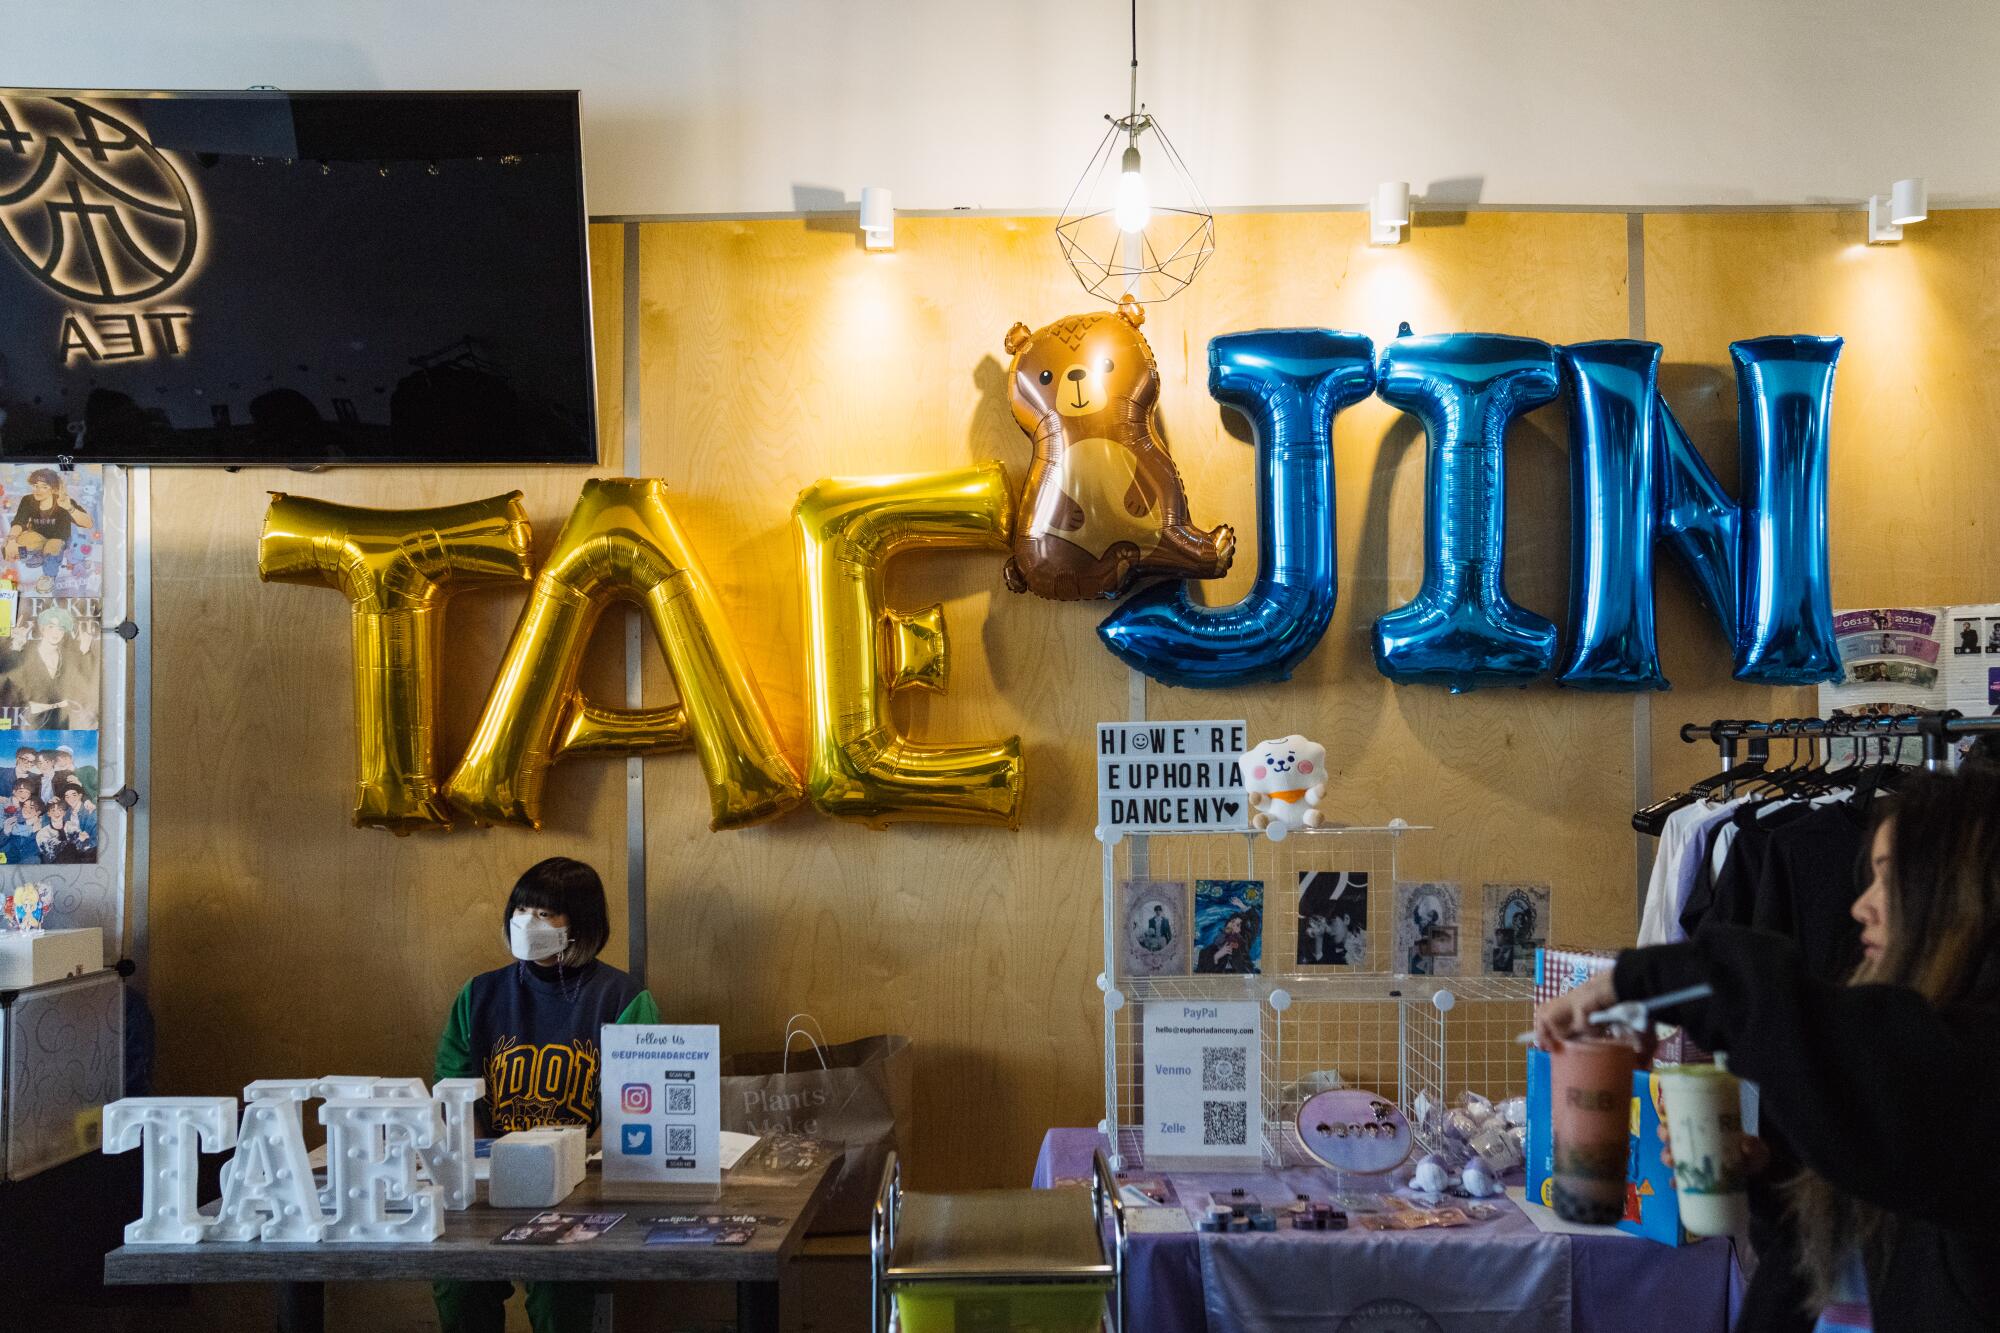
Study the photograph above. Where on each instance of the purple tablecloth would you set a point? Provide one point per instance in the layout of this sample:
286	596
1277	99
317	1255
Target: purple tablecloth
1618	1284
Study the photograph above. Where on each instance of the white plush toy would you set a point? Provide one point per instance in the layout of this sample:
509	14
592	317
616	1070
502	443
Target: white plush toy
1283	783
1429	1177
1478	1181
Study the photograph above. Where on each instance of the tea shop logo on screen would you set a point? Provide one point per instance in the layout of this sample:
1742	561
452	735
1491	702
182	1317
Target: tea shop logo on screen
89	206
98	215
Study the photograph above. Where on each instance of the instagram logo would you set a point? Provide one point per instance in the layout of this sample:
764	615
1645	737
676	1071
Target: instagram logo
635	1098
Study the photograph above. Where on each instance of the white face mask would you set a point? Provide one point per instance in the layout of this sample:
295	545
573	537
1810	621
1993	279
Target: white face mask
531	939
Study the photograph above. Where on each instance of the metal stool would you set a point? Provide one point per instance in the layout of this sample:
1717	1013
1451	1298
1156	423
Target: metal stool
1015	1250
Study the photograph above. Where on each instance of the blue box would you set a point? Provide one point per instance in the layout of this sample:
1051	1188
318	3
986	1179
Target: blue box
1652	1208
1541	1147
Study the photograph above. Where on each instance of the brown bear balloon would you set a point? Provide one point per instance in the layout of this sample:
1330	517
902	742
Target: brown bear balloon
1104	504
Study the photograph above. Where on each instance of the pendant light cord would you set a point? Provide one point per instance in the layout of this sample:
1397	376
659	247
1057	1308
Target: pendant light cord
1135	71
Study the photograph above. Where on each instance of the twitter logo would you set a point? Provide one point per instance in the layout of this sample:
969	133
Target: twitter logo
637	1141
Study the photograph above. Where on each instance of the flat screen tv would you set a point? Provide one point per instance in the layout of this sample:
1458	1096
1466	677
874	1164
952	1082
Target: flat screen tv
293	278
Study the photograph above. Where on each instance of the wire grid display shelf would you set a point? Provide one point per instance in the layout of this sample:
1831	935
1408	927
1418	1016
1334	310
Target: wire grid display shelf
1366	1023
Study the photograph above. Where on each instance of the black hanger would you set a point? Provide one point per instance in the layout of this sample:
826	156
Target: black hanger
1652	819
1808	776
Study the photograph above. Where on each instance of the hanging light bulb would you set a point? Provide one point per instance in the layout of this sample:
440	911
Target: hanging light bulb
1134	208
1117	239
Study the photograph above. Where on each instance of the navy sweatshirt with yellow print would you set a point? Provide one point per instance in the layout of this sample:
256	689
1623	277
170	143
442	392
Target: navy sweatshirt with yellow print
531	1033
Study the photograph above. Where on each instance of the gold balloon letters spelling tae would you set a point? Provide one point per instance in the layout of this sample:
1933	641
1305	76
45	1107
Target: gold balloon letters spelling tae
396	567
858	652
622	543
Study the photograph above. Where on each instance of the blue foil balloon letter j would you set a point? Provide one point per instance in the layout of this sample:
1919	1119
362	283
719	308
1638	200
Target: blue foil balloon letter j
1290	383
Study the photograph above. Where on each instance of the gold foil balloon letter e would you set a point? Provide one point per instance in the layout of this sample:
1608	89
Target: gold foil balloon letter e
858	652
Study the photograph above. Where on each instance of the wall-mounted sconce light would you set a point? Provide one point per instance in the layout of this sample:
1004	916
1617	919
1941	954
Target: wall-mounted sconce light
1389	213
878	218
1907	202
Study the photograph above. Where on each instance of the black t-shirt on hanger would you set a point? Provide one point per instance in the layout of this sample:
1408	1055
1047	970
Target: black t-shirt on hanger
1729	896
1808	885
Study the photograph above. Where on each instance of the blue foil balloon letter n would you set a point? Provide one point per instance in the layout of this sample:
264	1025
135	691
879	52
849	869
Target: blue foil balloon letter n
1760	565
1461	630
1635	478
1784	406
1290	383
1698	521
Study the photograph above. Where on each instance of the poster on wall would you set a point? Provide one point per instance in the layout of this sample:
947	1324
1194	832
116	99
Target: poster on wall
51	597
1513	923
1333	918
52	663
54	545
1156	933
1972	671
1426	929
1891	656
1202	1079
50	815
1915	660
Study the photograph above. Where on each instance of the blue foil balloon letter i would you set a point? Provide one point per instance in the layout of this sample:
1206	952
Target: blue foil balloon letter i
1462	630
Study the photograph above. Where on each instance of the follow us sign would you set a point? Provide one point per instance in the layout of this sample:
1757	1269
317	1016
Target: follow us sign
1167	777
662	1102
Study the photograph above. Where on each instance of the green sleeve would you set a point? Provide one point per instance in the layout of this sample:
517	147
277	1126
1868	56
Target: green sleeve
454	1053
642	1009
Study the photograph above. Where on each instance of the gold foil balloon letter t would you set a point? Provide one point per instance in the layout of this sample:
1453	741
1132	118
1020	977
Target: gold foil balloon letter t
396	568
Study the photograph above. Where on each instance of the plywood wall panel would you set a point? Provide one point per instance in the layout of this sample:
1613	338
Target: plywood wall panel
1914	506
285	942
775	353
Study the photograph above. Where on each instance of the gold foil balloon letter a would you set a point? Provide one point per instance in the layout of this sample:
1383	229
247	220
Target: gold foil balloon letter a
621	543
396	568
857	651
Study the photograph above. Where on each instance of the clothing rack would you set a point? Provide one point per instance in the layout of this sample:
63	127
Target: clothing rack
1937	731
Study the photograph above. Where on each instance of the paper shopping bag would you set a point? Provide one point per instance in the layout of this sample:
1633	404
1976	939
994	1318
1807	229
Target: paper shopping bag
857	1094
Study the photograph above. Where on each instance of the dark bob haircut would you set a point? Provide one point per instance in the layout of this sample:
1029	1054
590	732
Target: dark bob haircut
572	888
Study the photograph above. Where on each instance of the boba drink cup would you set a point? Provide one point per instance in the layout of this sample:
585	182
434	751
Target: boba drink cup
1704	1115
1591	1096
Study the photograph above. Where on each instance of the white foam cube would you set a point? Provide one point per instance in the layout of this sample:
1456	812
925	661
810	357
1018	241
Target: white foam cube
49	955
536	1168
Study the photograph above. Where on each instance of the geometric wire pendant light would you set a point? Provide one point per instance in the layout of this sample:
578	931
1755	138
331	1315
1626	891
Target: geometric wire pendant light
1115	236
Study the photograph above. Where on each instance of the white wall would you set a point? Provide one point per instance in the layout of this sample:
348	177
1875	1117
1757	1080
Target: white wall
735	106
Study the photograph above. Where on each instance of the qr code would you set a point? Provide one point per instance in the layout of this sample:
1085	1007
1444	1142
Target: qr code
680	1140
680	1101
1223	1069
1225	1124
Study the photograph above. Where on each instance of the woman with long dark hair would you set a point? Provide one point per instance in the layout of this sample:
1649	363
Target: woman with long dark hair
1884	1087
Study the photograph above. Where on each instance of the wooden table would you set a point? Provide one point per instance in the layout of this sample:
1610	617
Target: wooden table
466	1250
